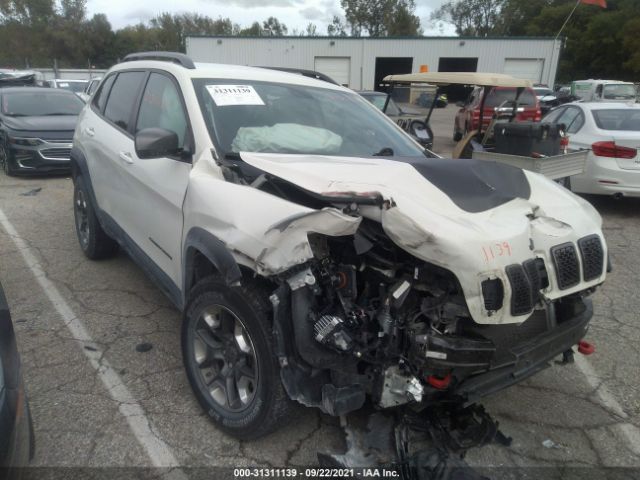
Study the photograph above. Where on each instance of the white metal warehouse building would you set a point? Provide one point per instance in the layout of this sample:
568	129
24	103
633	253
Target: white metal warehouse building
361	62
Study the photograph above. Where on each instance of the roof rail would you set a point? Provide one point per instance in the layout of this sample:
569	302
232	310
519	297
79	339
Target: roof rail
304	73
175	57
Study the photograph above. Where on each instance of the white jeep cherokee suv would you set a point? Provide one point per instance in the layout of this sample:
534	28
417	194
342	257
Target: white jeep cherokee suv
316	251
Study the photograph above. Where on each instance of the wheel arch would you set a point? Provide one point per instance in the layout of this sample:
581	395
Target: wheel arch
205	254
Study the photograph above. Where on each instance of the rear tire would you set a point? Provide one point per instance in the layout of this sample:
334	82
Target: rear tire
227	349
94	241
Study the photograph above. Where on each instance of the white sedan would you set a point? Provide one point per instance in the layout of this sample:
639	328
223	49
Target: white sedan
611	131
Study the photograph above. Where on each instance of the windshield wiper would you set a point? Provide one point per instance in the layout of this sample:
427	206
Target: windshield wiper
57	114
16	115
384	152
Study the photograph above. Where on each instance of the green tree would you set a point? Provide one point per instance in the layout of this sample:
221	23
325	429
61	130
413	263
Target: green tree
255	30
380	18
404	23
311	30
337	28
478	18
272	27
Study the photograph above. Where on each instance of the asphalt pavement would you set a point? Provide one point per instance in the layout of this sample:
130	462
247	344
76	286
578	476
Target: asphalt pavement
100	397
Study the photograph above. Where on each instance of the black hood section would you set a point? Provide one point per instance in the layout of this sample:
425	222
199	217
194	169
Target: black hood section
53	123
474	185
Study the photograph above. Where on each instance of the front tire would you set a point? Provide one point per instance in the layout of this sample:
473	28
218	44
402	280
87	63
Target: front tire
227	350
94	241
5	160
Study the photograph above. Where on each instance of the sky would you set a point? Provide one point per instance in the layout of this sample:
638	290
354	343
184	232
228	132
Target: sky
296	14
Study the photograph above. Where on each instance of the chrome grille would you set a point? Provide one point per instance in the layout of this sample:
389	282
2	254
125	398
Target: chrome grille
56	153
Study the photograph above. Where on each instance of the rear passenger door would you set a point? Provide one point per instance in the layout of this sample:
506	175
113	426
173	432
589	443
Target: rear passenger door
156	187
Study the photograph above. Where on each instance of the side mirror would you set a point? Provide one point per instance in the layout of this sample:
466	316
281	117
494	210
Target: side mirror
460	104
156	143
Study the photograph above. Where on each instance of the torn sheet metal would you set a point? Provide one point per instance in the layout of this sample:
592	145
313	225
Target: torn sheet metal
269	233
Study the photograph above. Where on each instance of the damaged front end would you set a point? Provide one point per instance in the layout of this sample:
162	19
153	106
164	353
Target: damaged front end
383	296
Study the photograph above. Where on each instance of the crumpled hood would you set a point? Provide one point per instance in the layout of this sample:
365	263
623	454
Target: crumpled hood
471	217
469	185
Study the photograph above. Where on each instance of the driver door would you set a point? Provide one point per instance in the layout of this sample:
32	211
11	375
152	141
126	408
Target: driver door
156	187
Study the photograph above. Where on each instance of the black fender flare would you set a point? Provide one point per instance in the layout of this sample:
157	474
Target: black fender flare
198	240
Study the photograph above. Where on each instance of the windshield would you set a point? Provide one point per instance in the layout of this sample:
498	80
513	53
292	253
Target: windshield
296	119
72	86
379	99
498	97
618	119
40	102
619	91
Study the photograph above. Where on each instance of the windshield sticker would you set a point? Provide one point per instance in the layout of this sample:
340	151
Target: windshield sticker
224	95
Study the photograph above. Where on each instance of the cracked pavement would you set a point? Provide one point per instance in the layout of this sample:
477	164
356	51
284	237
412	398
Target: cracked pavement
78	423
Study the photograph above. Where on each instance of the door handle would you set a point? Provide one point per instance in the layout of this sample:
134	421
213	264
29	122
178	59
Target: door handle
126	157
90	131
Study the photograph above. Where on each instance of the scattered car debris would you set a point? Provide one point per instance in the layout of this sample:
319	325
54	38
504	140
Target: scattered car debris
428	444
32	192
143	347
548	443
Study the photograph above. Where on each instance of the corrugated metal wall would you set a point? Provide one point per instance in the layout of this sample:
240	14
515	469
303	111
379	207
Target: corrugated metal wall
301	52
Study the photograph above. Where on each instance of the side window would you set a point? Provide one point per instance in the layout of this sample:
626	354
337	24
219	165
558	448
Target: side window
92	86
100	97
161	107
569	117
552	117
577	123
123	97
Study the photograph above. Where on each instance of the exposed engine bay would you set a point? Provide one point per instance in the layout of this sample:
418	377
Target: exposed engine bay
370	320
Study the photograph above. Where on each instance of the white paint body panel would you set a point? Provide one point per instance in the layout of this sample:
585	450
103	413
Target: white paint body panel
426	223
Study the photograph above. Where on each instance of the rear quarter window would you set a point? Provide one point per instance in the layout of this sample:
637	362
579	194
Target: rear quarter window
100	98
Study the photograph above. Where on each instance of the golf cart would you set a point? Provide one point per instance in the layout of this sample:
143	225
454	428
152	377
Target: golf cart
532	147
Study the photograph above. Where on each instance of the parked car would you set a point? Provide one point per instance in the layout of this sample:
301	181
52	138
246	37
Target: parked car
16	430
403	117
604	91
611	131
20	78
468	117
75	86
89	89
36	129
315	251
